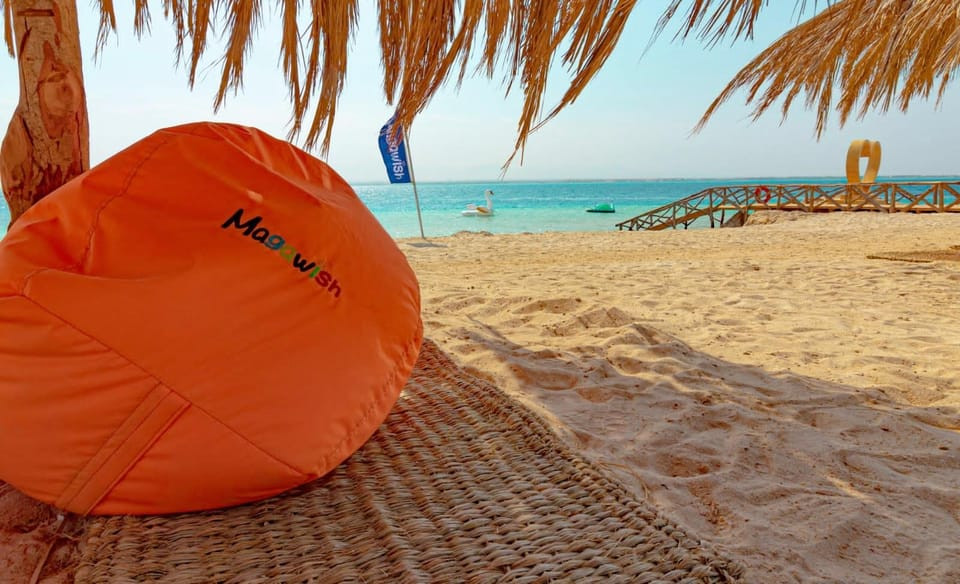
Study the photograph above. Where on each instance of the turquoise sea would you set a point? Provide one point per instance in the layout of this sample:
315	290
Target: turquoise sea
533	206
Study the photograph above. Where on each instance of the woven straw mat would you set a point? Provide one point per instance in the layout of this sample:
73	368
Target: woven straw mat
460	484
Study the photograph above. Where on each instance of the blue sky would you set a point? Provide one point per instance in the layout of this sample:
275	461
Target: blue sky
633	121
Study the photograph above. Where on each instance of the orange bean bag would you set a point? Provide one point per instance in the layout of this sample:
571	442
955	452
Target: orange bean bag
209	317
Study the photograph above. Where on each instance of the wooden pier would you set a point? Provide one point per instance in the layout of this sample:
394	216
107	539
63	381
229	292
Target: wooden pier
731	205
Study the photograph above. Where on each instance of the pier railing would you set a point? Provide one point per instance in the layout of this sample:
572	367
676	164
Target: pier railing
717	202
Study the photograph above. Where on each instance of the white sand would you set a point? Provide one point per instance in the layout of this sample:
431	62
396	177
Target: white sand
771	389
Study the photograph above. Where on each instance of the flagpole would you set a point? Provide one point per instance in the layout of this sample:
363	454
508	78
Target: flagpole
413	180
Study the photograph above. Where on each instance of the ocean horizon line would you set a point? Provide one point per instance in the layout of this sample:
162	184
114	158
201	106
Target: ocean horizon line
840	178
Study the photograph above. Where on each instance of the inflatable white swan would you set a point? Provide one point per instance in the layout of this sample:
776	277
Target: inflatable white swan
481	211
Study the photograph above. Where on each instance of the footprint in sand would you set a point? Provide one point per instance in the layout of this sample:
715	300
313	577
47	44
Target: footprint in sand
458	304
712	512
552	305
597	395
675	465
596	318
733	300
544	376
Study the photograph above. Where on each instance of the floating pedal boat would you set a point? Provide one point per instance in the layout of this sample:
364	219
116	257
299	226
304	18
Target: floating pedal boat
602	208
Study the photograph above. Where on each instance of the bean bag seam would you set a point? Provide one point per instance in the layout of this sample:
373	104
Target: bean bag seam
167	385
105	442
120	193
133	462
96	220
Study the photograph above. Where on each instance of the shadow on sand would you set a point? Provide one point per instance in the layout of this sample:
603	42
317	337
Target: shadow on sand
800	479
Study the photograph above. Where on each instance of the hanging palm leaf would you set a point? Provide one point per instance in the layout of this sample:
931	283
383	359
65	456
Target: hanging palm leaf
877	53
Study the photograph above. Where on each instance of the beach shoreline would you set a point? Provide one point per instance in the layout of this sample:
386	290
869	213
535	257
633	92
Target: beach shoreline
771	388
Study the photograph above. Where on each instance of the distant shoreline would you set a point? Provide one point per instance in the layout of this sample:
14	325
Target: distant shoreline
839	179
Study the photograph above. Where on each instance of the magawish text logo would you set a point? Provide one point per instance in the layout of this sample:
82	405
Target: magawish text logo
251	228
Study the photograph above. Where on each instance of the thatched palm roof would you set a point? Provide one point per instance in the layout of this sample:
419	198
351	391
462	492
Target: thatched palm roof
866	44
877	53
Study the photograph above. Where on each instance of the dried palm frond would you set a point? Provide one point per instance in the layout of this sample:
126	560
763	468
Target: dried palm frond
6	8
737	19
876	52
424	43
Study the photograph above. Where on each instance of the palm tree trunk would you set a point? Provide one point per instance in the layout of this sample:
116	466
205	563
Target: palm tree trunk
47	141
